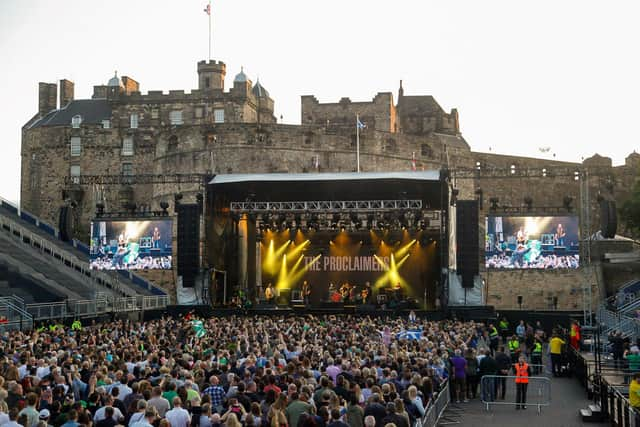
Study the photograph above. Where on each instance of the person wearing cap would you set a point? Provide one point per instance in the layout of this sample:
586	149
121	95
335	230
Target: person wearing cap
44	415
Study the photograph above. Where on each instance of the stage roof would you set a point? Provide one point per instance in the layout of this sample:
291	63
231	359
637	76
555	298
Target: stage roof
432	175
282	187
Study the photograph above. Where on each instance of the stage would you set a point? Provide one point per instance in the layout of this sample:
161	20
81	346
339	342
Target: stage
325	237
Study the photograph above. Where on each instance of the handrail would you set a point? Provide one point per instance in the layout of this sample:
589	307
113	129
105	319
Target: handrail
98	278
95	307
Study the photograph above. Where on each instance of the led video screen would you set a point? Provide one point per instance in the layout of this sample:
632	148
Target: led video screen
131	245
528	242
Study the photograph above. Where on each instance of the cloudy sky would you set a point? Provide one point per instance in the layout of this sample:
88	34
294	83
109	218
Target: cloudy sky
524	75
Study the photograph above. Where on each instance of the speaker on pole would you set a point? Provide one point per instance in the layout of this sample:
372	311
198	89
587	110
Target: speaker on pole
608	218
467	241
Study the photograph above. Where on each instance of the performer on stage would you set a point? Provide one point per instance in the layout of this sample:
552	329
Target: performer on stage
155	238
270	294
332	291
345	291
560	235
366	293
521	236
306	292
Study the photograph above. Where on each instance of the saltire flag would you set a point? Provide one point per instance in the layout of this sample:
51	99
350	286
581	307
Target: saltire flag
198	328
316	162
360	124
414	335
413	161
207	9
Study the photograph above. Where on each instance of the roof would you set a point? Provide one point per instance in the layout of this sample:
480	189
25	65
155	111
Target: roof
433	175
284	187
241	77
423	103
259	90
93	111
456	141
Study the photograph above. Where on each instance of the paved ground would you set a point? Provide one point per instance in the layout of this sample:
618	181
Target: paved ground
567	398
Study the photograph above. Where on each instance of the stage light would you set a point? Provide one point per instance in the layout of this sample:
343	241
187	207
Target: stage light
576	175
163	205
513	169
478	165
544	172
494	203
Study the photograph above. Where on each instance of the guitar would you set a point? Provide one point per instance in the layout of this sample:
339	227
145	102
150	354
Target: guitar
268	293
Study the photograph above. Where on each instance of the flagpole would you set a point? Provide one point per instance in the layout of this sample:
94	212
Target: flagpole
209	30
357	142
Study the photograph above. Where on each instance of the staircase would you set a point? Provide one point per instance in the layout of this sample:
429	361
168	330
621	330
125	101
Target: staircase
32	246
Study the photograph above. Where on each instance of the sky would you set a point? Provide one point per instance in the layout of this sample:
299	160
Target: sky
524	75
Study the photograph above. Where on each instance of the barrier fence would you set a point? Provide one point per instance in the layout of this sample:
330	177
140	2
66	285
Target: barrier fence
502	390
437	407
607	389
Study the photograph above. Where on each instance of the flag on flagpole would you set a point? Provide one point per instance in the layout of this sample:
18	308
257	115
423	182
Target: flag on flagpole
360	124
207	9
316	162
413	161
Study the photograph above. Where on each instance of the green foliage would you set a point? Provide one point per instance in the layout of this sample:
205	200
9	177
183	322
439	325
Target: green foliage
630	211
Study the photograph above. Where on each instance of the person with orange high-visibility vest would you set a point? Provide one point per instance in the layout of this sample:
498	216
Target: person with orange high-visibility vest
575	335
523	372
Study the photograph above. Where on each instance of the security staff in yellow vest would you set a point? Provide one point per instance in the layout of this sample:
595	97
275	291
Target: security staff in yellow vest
634	391
514	349
503	325
536	357
494	338
523	372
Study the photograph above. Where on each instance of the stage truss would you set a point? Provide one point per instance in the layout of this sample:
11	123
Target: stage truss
324	206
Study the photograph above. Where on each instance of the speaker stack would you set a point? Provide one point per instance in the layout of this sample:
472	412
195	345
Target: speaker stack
467	241
188	243
608	218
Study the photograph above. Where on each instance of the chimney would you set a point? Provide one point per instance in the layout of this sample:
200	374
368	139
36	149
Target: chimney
66	92
130	85
47	97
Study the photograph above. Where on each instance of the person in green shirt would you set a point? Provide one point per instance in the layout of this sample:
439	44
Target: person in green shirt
633	359
170	393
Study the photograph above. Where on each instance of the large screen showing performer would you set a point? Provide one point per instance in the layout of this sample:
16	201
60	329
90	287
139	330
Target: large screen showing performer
541	242
131	245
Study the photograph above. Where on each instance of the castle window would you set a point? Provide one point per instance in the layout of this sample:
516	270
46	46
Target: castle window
127	169
173	143
74	172
76	146
390	145
175	117
218	115
426	151
155	113
207	82
127	146
76	121
133	121
198	113
106	124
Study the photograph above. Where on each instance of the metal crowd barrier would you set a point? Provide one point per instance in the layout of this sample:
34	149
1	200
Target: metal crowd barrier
538	391
437	407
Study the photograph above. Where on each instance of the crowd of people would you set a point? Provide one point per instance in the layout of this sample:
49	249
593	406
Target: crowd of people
139	263
247	371
504	261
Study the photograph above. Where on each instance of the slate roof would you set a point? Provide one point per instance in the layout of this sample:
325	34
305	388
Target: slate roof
93	111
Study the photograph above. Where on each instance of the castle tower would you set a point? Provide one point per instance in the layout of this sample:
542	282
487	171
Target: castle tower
211	75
